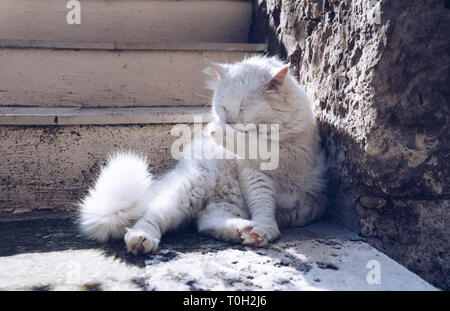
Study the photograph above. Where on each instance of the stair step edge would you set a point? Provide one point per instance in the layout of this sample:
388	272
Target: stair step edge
122	45
40	116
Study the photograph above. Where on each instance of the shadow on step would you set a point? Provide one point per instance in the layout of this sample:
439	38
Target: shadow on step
57	235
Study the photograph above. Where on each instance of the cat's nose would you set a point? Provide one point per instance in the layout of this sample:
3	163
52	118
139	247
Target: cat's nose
230	120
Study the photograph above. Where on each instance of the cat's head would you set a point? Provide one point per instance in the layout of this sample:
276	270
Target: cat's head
251	91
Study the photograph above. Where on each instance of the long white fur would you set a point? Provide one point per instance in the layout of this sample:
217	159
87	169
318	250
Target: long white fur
230	200
117	199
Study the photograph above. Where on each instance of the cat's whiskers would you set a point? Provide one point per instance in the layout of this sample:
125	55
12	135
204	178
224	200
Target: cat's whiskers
204	96
280	110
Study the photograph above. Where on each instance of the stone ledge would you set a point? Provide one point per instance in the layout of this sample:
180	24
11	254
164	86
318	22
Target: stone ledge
51	255
100	116
122	45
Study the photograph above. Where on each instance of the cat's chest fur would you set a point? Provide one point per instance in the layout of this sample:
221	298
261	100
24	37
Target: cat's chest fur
290	178
288	190
288	186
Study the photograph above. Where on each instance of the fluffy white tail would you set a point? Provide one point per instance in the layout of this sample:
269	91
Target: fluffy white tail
117	199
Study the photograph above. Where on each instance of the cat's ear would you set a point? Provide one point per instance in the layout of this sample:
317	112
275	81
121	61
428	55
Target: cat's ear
277	80
217	68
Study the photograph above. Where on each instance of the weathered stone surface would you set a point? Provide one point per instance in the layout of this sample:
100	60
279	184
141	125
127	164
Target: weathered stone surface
137	21
110	74
382	98
51	255
49	168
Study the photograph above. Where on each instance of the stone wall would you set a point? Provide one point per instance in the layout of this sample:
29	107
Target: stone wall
49	168
381	90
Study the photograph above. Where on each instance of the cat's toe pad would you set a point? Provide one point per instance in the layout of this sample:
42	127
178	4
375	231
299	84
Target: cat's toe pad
254	236
140	242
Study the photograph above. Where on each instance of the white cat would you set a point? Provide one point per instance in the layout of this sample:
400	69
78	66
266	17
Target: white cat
232	200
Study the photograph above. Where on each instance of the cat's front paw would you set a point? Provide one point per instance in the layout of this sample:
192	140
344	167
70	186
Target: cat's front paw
140	242
255	236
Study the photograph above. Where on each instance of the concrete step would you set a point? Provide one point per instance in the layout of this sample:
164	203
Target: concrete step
131	20
51	255
110	74
36	116
50	156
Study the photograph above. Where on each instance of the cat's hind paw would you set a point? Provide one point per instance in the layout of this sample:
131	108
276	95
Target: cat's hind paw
254	236
139	242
